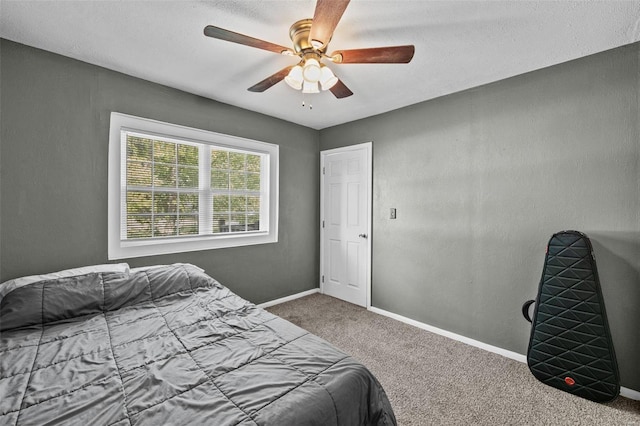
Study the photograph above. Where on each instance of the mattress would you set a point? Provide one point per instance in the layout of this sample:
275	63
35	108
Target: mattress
169	345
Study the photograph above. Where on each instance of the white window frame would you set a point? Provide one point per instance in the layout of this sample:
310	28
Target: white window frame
120	248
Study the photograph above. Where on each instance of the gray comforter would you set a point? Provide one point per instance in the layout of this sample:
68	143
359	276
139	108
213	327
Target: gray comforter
169	346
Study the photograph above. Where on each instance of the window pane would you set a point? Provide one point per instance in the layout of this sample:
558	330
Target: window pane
188	155
138	148
160	164
253	204
253	163
219	159
188	177
164	152
164	176
220	203
253	181
165	202
236	161
253	222
164	226
188	225
219	179
235	172
188	203
238	180
238	203
138	226
138	202
138	173
238	223
220	222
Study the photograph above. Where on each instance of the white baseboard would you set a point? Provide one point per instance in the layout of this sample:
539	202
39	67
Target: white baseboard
288	298
625	392
629	393
509	354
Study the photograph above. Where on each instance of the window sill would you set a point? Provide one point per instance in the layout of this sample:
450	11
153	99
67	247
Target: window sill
150	247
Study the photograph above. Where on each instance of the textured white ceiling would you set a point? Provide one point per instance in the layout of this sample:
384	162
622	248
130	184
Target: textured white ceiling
459	45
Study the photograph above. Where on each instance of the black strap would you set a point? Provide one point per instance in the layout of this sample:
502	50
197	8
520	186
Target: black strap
525	309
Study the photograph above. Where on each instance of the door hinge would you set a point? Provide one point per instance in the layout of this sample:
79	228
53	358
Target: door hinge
323	223
323	278
323	170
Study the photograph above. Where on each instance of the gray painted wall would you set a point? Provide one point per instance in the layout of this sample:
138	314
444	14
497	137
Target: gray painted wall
483	178
53	163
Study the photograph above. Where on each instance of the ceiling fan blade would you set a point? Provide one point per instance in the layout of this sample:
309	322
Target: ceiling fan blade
325	19
271	80
222	34
340	91
375	55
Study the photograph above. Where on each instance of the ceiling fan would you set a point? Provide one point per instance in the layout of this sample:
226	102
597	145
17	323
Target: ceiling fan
310	39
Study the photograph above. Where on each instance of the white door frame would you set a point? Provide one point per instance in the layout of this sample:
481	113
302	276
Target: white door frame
368	146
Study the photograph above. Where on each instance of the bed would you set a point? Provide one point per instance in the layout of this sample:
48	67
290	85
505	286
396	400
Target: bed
167	346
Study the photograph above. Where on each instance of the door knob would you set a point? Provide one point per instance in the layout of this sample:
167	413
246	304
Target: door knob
362	235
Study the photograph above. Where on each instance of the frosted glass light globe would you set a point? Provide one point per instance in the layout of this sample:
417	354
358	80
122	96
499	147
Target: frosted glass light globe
311	71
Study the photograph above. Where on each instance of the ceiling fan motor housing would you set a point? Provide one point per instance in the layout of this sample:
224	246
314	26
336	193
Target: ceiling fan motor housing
299	33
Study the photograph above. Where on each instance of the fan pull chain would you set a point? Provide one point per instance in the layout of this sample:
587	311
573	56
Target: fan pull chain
304	104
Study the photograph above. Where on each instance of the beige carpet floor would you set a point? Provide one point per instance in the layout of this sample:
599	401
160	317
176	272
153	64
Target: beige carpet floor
433	380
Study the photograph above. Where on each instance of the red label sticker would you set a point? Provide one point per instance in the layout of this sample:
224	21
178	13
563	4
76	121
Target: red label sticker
569	381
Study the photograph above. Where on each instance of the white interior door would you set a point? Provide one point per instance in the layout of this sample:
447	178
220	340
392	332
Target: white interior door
345	203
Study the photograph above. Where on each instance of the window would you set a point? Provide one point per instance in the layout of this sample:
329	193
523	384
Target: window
175	189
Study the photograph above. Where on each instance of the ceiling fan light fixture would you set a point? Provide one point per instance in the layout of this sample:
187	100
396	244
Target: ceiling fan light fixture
294	78
327	78
310	87
311	71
